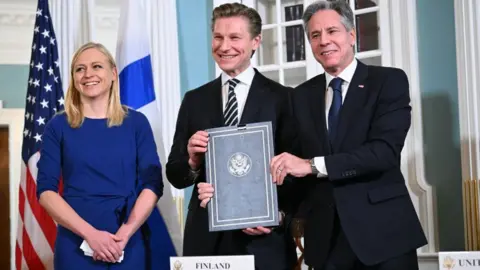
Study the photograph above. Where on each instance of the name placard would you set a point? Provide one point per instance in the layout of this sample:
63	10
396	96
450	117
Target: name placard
213	262
461	260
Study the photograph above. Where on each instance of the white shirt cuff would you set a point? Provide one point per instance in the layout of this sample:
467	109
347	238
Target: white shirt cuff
320	164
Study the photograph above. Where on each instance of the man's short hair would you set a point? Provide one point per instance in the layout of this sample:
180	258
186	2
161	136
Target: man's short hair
239	10
339	6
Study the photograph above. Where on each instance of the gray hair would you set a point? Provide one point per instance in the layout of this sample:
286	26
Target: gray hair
340	6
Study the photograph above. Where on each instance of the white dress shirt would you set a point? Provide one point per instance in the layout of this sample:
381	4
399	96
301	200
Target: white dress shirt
241	90
346	75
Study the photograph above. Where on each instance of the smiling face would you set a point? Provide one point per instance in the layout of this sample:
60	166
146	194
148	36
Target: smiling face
331	43
93	74
232	44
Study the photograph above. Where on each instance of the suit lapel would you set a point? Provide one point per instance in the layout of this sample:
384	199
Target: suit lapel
215	110
317	106
255	99
357	91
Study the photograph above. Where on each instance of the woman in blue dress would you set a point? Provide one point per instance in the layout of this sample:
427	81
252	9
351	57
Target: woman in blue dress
105	155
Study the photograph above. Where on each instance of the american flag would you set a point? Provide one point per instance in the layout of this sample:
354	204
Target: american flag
36	230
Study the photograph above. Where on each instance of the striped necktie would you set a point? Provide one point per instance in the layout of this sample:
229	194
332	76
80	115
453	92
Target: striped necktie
230	115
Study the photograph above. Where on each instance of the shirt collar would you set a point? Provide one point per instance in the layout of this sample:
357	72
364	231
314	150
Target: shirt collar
346	75
246	77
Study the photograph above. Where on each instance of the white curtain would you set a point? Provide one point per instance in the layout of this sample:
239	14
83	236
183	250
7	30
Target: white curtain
162	26
73	21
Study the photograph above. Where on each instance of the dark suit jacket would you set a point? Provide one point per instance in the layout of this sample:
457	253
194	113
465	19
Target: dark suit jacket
202	109
364	185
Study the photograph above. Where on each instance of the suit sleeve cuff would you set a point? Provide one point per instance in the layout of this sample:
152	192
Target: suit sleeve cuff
193	174
320	164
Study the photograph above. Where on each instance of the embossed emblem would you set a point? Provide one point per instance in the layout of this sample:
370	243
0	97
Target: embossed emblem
239	164
177	265
448	263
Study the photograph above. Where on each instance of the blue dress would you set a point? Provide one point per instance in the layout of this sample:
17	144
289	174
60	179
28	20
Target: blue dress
103	171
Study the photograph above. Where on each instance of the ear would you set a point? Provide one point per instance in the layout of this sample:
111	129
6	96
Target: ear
353	37
256	42
115	73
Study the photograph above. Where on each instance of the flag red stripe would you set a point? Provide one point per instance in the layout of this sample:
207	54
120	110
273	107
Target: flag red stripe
47	225
31	256
21	203
21	209
18	257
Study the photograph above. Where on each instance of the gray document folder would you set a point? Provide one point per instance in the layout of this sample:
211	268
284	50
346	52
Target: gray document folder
238	167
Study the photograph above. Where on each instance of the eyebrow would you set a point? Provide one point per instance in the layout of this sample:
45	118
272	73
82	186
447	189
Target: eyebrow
328	29
93	63
229	34
332	27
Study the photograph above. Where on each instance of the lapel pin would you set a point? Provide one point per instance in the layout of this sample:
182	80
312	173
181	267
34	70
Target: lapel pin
361	85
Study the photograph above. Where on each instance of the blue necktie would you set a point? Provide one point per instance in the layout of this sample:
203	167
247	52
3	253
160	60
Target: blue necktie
334	112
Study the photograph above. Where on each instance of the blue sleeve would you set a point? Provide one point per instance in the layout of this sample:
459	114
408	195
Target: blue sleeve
49	165
148	163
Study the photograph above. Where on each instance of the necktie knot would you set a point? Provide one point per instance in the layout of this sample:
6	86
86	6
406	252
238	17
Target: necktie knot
336	84
232	83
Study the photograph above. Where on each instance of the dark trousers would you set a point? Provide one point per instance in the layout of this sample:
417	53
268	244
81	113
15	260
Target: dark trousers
271	252
225	245
342	257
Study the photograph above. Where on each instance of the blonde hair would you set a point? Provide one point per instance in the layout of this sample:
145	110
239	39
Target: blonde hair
73	104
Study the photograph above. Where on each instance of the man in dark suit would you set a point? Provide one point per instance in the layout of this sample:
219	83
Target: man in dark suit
352	123
240	95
